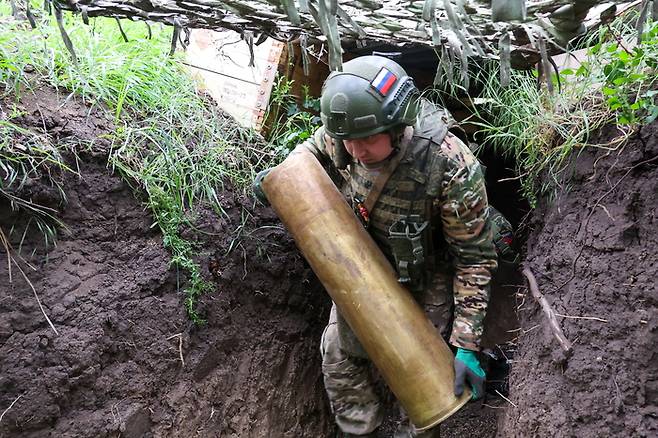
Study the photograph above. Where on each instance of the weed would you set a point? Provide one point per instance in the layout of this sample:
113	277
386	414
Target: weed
540	131
291	123
26	156
631	76
169	142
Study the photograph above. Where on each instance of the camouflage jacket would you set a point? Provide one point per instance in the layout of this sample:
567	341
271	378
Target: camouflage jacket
438	177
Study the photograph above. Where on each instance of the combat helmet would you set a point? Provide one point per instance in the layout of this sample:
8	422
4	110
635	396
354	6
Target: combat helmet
371	95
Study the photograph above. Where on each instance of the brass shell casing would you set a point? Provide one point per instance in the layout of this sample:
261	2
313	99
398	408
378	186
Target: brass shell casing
401	341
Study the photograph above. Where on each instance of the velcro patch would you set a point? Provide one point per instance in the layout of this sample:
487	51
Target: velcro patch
384	81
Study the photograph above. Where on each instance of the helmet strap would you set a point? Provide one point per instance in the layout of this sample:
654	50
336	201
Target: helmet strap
341	157
396	133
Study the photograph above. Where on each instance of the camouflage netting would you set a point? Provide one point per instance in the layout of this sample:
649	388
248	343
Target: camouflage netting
519	33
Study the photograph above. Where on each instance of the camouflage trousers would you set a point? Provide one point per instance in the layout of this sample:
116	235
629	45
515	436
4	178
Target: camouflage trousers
345	365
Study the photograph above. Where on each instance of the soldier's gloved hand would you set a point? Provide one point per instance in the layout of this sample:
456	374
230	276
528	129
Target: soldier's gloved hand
467	368
258	189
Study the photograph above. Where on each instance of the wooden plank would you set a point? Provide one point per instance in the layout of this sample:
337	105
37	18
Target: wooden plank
220	60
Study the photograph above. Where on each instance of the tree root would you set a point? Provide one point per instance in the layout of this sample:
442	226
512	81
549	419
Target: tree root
565	344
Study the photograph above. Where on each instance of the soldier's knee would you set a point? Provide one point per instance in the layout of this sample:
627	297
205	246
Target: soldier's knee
330	346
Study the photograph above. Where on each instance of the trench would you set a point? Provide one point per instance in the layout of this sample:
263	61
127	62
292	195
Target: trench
127	362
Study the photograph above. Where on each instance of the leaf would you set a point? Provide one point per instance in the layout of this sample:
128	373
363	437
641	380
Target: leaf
567	72
653	115
504	48
291	137
582	70
595	49
292	109
609	91
620	81
291	11
613	103
624	56
613	71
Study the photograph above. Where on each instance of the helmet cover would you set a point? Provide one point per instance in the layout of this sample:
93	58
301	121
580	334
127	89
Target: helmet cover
371	95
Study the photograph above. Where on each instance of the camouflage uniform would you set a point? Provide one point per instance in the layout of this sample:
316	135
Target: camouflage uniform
503	238
439	179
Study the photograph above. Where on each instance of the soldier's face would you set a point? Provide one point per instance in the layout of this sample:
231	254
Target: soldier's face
370	150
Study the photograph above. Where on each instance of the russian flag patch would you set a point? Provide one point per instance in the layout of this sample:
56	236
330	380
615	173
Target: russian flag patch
384	81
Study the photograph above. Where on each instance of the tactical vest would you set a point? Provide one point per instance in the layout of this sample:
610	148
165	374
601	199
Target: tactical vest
406	201
406	195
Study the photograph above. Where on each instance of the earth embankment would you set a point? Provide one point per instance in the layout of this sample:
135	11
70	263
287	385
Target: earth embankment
126	361
594	251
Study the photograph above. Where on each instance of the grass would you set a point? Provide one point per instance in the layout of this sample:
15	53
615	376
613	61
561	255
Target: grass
290	123
540	131
26	156
170	143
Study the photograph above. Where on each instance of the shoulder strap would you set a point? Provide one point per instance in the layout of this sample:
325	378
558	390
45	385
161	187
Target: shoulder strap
386	173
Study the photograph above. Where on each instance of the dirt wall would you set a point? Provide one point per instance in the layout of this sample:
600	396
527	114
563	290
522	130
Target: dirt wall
594	252
116	367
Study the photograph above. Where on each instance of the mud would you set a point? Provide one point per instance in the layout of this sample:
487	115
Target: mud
594	253
126	361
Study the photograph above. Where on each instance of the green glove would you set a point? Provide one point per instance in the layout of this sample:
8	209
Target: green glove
467	367
257	187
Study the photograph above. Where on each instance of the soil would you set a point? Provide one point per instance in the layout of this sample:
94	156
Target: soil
116	368
593	250
126	361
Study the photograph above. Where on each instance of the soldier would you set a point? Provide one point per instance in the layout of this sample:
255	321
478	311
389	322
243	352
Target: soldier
420	192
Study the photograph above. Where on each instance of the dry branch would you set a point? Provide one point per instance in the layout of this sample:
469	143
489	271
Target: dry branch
36	296
506	399
548	311
5	245
590	318
180	346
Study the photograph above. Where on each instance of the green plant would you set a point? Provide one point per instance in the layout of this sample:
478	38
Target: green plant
291	123
631	76
27	156
169	142
178	174
540	131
